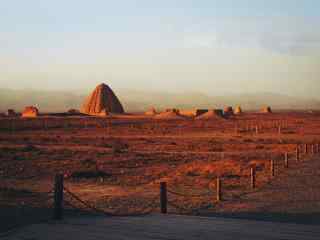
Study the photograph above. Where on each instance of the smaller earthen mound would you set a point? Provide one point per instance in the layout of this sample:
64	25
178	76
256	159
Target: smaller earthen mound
266	110
228	111
169	115
193	112
211	114
151	112
173	110
73	111
11	113
238	110
30	111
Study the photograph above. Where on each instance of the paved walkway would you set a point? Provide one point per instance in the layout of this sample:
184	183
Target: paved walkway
164	227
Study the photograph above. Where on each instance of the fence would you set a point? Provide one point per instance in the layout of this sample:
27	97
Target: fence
166	199
170	198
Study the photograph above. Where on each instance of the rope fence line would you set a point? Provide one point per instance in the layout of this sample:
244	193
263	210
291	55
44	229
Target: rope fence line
167	196
148	209
208	194
87	205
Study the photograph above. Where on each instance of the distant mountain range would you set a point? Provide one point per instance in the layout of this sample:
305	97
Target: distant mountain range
140	101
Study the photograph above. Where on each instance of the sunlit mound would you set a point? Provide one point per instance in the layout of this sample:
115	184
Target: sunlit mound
211	114
266	110
101	102
151	112
170	114
238	110
30	112
193	112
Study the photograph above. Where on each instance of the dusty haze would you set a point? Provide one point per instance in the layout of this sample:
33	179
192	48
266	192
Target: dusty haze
217	48
140	101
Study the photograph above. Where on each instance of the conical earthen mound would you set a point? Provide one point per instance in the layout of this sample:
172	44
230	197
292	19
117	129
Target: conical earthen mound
266	110
238	110
211	114
101	102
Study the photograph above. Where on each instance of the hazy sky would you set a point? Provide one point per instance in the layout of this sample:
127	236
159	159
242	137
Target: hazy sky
209	46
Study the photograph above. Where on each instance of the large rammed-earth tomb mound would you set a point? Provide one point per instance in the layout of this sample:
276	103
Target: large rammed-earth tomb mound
30	112
101	102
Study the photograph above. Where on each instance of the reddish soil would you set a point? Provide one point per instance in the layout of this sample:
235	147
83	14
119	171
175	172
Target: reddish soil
116	164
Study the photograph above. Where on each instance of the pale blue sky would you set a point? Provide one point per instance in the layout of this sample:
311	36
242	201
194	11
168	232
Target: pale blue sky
205	46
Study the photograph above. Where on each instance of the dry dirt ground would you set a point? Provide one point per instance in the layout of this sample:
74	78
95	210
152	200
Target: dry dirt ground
165	227
115	165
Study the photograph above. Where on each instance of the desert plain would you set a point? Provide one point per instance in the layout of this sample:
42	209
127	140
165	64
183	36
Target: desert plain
114	166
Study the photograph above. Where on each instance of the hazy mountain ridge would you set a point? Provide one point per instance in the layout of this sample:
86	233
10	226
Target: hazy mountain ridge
139	101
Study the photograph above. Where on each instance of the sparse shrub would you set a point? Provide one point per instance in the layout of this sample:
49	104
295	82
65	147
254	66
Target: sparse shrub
191	173
88	163
231	176
89	174
119	147
17	158
30	148
104	145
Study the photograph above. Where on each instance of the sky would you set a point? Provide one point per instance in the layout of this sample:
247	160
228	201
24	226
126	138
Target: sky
210	46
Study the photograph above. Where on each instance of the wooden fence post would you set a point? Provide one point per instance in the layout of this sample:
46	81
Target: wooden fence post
279	129
305	148
312	149
271	168
286	160
253	178
163	197
297	154
257	129
218	191
58	197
